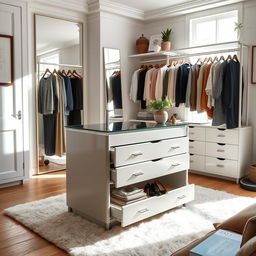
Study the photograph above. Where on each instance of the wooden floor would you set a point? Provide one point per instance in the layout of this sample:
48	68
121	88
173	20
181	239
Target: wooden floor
16	240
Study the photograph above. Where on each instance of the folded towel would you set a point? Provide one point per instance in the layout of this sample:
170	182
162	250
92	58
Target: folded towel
120	202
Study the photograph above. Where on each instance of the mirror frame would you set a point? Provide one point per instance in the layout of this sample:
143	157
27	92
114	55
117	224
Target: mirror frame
35	77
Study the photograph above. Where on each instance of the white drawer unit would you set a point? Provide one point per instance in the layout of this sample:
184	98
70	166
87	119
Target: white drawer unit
99	161
197	133
221	135
221	166
197	162
224	152
130	174
136	153
132	213
197	147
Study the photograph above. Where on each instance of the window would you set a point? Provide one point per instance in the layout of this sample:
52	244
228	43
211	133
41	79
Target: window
54	58
213	29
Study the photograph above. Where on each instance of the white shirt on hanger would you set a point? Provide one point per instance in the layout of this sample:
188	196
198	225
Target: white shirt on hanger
134	86
159	82
146	94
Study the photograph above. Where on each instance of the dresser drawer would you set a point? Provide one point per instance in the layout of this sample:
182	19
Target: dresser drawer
226	151
222	167
197	162
123	176
197	147
132	213
220	135
136	153
197	133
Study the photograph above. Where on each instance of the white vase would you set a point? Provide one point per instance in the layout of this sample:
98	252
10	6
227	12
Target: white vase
161	116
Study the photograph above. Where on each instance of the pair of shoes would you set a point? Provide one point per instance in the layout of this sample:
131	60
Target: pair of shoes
154	189
161	187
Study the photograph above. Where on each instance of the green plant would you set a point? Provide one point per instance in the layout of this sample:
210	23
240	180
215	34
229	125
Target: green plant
238	26
166	34
160	104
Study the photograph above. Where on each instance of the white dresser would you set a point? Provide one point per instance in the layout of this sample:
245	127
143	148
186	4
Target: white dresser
101	157
220	152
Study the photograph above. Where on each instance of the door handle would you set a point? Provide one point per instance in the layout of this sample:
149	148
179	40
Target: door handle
174	165
175	147
18	115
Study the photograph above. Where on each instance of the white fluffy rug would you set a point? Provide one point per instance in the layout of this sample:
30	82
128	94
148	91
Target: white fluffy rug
159	236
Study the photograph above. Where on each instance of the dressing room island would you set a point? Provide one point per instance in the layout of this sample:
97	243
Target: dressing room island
126	157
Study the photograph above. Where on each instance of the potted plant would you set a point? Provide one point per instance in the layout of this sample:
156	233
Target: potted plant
238	28
166	44
159	107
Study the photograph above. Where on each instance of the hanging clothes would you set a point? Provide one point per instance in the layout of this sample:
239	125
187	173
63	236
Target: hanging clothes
60	147
134	86
69	94
181	84
159	83
147	86
219	113
231	93
204	97
115	85
153	84
141	87
74	117
193	93
48	107
189	85
172	77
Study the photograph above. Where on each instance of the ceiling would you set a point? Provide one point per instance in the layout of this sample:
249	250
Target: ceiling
149	5
54	33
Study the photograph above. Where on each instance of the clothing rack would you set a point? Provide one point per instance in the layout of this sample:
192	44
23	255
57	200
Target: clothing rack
62	65
211	49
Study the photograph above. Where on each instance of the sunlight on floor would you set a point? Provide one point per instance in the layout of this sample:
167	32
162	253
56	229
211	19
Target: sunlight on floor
49	176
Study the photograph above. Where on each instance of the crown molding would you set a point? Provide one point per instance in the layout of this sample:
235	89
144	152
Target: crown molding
188	7
116	8
80	6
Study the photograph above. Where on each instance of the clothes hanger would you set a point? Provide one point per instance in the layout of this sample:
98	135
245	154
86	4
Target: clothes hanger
199	60
215	59
76	74
69	73
55	72
63	72
47	71
229	57
222	58
205	60
210	60
235	58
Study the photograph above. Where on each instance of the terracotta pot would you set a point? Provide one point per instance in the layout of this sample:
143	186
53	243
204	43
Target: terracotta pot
142	44
166	46
160	116
252	173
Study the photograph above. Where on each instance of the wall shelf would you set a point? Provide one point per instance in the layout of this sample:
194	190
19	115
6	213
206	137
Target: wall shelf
193	51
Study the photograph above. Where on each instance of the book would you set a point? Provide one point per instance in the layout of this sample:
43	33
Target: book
221	243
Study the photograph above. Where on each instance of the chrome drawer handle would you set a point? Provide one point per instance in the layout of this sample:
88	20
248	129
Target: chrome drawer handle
221	135
174	165
220	150
220	165
143	210
138	173
137	154
181	197
175	147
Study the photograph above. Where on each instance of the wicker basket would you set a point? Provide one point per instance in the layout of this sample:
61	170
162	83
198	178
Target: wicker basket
252	173
142	44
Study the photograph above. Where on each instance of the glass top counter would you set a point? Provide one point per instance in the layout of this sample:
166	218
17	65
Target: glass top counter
124	126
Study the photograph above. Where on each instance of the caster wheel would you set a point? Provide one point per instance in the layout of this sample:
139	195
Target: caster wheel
46	162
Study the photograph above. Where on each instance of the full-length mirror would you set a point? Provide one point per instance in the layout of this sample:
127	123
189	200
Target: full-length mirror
59	94
112	68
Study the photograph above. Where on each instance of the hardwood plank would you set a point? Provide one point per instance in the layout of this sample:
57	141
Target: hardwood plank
16	240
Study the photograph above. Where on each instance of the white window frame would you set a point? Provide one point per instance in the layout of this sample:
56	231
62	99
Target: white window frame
210	12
